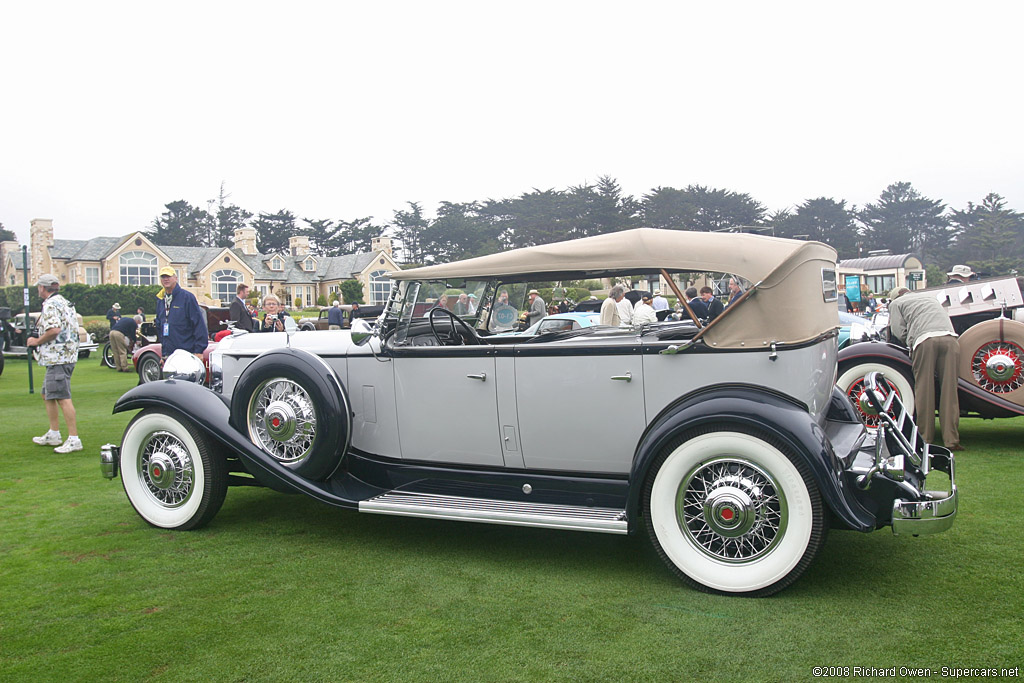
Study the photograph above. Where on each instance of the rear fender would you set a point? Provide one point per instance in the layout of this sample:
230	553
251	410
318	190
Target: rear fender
753	408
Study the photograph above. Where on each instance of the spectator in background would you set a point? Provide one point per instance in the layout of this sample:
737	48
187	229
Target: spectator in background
274	314
715	307
471	304
180	322
538	309
58	353
735	291
625	309
934	352
141	313
643	312
696	304
960	273
239	310
610	307
462	305
114	314
122	340
659	303
335	317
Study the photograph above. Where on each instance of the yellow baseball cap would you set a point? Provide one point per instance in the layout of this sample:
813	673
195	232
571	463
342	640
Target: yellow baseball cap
167	270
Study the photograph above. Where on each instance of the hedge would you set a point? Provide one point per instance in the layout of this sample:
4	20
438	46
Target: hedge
95	300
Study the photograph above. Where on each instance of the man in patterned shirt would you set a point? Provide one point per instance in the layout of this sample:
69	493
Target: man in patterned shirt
58	353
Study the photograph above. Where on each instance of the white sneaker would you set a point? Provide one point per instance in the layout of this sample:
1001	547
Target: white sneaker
72	444
50	438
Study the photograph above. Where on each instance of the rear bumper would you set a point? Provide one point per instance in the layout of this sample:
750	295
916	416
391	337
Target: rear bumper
937	512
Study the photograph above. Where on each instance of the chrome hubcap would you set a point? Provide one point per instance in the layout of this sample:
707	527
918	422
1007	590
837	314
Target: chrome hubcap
997	367
151	370
731	510
282	420
166	469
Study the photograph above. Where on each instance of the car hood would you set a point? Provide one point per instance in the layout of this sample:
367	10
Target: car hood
322	343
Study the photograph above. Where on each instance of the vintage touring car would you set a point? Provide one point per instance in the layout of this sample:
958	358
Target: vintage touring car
727	444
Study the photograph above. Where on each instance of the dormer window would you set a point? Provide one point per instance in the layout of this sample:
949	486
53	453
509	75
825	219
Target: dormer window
309	265
276	263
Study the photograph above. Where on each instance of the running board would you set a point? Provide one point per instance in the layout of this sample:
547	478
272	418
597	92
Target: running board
463	509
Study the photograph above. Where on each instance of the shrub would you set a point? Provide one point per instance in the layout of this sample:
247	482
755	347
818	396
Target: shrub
298	302
352	292
321	300
99	328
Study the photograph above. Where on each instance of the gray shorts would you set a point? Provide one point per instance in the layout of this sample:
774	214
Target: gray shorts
57	384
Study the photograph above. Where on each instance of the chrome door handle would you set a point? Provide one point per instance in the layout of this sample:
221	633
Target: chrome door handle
480	376
628	377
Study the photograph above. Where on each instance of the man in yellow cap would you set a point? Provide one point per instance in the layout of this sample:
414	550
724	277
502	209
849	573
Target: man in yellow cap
180	323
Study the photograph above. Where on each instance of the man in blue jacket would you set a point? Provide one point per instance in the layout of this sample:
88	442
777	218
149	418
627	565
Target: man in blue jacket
180	322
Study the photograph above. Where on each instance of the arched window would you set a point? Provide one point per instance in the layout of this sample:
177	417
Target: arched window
380	287
224	284
138	268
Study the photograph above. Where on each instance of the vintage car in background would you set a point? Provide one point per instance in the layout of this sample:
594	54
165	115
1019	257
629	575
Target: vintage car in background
991	377
854	328
320	322
727	445
146	335
558	322
16	332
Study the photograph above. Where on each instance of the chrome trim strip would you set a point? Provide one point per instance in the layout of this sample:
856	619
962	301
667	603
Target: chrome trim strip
515	513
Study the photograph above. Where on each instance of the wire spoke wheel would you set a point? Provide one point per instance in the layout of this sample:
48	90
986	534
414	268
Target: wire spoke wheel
166	469
997	367
282	420
731	510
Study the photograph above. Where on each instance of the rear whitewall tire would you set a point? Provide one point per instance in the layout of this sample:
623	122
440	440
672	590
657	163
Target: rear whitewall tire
794	536
194	497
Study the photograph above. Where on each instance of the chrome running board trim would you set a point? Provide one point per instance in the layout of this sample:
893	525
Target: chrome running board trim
491	511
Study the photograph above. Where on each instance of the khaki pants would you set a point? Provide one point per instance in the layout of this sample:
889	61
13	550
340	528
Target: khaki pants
119	346
937	356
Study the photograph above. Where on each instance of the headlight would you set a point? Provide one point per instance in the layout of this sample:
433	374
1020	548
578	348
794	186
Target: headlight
184	366
217	370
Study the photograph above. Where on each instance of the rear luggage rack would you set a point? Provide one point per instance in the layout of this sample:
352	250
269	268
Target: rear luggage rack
899	447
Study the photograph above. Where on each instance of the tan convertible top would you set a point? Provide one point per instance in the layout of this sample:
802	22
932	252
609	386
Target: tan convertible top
628	252
788	305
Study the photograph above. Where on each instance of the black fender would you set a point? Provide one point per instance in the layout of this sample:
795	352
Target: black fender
873	352
209	412
761	409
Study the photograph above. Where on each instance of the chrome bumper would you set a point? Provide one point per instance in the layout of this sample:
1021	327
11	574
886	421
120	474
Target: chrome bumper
937	512
109	457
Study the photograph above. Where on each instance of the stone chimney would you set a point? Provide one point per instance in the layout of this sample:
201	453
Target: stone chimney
12	249
298	246
245	241
381	243
41	239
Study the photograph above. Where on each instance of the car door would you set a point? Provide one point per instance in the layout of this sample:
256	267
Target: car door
447	405
580	406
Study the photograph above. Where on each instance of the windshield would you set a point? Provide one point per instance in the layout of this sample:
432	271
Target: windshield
415	300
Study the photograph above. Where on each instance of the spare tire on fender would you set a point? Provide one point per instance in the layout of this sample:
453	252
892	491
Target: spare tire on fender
293	406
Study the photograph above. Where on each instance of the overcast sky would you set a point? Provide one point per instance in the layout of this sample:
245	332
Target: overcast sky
108	111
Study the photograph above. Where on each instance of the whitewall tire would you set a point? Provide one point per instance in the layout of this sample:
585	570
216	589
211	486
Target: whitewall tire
172	475
730	512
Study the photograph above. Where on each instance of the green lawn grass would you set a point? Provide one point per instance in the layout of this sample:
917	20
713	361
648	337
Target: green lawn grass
280	587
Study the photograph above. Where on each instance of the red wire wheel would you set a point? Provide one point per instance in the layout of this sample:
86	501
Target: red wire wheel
992	358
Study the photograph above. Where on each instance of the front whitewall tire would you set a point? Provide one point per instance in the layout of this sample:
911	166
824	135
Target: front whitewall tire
172	477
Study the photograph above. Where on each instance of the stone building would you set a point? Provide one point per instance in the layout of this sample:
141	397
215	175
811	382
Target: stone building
212	274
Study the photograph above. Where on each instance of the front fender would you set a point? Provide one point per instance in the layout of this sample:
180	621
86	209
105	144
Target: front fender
210	412
756	408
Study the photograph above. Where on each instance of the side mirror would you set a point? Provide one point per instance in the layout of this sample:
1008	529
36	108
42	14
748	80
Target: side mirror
361	332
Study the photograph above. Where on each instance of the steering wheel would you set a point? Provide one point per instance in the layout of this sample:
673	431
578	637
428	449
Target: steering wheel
455	339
